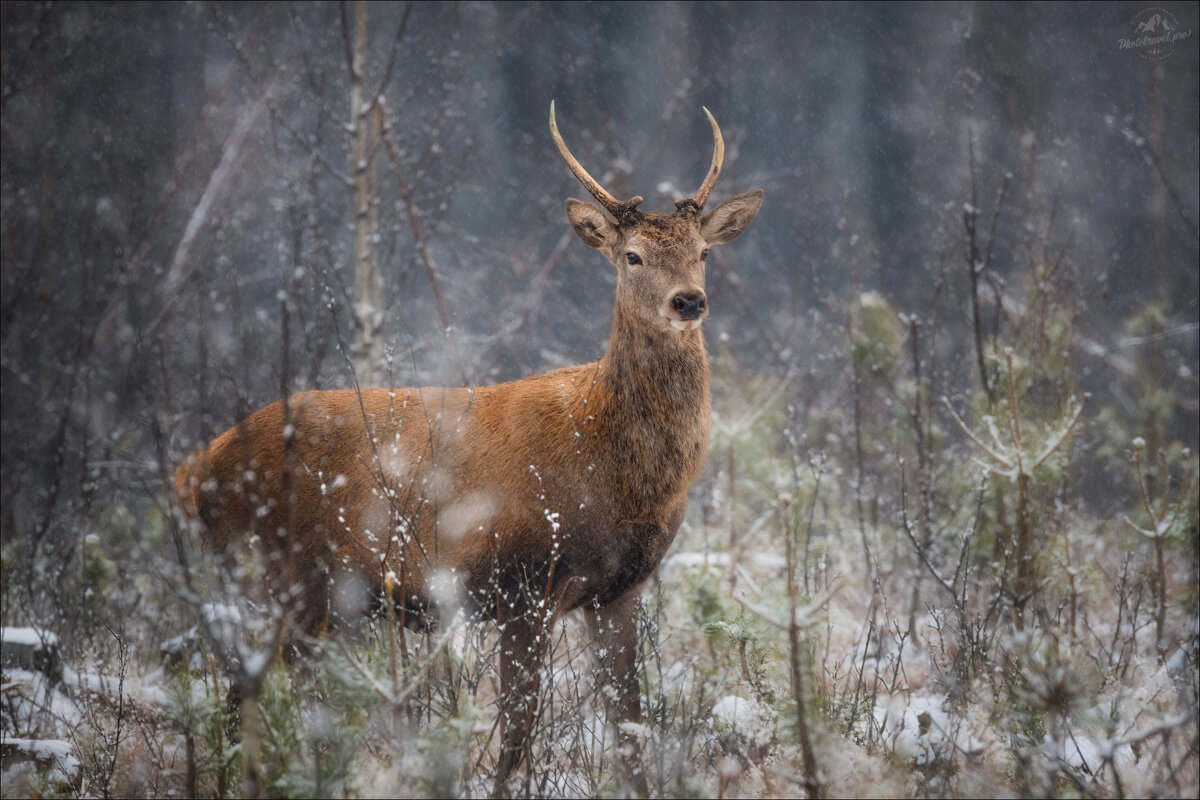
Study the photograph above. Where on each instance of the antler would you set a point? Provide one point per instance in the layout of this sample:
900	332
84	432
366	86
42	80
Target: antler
618	208
718	158
621	209
694	205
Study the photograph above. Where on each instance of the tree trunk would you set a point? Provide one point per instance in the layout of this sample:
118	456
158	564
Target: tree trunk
368	284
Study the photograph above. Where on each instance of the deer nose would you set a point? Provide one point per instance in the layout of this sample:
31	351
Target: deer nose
690	305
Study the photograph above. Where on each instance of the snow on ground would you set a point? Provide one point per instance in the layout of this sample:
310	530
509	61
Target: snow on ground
692	560
23	757
32	705
917	728
753	723
31	637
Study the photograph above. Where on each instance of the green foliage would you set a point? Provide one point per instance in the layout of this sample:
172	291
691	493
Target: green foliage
706	602
749	643
198	710
1154	404
98	572
876	336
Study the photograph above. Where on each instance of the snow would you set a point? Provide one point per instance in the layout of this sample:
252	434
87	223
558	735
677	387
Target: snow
57	749
31	637
254	662
918	729
27	696
732	710
753	722
57	752
180	643
221	613
694	560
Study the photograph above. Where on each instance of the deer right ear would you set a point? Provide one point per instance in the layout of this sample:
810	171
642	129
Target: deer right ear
591	224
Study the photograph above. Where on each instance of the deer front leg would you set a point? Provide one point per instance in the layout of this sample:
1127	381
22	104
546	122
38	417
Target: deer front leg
522	650
614	632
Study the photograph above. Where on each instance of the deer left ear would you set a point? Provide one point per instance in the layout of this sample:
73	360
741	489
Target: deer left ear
727	221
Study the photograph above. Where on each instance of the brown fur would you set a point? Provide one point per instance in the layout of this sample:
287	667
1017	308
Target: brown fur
519	502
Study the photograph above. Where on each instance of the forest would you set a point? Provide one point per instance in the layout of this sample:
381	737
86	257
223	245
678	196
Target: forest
945	541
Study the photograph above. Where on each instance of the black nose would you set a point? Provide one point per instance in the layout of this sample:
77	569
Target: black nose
689	305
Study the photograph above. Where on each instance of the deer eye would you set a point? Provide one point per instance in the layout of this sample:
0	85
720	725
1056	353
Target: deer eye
704	254
632	259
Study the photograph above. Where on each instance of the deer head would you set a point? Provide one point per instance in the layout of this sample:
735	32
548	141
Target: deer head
659	258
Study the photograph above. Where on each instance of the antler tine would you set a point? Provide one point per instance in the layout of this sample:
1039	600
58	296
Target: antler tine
718	158
618	208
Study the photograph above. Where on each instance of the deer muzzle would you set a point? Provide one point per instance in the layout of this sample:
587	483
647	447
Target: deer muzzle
691	305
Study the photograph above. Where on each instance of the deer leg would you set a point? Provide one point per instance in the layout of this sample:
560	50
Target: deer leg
614	631
522	649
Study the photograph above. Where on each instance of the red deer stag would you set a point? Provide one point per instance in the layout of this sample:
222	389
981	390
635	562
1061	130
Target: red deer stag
518	502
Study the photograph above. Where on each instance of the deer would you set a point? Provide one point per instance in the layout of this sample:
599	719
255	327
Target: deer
518	502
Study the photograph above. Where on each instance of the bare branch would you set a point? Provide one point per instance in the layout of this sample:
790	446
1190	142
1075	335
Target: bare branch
1061	437
970	435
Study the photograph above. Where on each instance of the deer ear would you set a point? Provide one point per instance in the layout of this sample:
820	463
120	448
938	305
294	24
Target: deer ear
591	224
727	221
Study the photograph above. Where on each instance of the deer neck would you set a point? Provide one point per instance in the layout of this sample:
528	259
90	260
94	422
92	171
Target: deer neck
655	386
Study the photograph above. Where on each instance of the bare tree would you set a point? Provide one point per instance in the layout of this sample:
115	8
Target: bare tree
364	145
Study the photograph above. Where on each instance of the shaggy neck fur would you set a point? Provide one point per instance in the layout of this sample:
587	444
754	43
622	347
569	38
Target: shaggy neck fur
656	407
